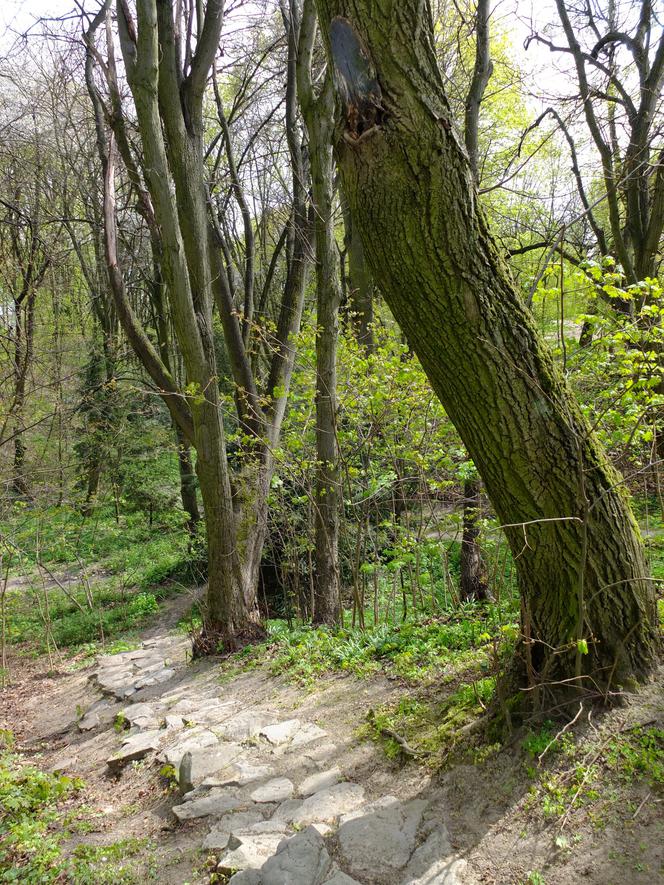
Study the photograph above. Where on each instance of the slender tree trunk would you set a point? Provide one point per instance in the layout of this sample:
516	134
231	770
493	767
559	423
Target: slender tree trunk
23	346
327	494
474	575
187	481
577	549
360	284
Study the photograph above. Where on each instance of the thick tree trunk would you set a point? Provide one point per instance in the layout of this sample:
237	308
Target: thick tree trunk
406	176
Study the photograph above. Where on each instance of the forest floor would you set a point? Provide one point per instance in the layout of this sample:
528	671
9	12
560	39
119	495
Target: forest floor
275	760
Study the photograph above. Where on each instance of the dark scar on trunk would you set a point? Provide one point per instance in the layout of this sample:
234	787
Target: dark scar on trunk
356	83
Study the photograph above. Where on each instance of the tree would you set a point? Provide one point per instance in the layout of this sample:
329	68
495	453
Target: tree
588	604
170	180
318	114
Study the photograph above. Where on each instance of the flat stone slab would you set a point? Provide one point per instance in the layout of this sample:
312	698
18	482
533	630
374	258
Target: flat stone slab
191	741
432	863
212	712
247	877
277	790
134	748
248	850
301	860
320	781
102	712
380	842
244	725
340	878
328	804
280	733
238	773
217	801
218	837
309	733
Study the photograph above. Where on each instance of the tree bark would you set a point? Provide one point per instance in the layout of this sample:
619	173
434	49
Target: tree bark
474	576
407	178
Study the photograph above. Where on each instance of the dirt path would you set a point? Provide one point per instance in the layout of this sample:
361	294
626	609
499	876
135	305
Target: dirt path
275	788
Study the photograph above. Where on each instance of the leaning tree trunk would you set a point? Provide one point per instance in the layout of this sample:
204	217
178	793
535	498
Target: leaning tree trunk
405	172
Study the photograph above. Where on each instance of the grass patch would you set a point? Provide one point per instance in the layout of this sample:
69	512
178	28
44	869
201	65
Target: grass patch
40	815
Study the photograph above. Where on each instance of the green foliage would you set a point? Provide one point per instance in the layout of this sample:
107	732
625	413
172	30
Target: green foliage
415	651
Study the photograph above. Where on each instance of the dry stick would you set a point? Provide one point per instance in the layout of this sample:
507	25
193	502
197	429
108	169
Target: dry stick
560	734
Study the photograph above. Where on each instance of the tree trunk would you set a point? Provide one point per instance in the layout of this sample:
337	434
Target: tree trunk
24	329
360	284
327	600
406	175
474	576
187	482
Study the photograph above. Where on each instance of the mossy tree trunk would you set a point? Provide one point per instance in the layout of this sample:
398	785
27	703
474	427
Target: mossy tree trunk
406	176
318	113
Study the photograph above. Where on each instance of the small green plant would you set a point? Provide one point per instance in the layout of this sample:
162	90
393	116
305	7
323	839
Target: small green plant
120	723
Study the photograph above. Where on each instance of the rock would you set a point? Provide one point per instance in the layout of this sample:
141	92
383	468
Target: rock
212	713
432	863
370	808
88	722
381	841
217	801
277	790
137	711
217	838
134	748
238	774
243	725
322	754
301	860
323	829
340	878
319	781
282	732
102	712
328	804
192	741
162	675
287	810
246	877
248	850
174	722
306	735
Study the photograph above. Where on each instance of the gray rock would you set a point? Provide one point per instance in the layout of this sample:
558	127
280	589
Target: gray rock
328	804
217	838
380	842
162	675
174	722
217	801
212	713
243	725
277	790
246	877
287	810
432	863
306	735
238	774
138	711
134	748
319	781
282	732
302	860
248	850
192	741
340	878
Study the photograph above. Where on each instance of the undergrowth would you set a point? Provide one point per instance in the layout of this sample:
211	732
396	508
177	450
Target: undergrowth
40	815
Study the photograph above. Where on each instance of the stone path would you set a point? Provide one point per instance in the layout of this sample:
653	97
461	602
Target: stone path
280	810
